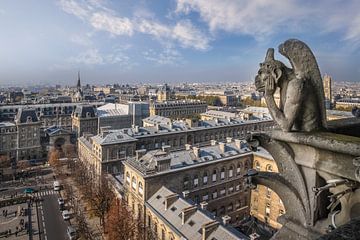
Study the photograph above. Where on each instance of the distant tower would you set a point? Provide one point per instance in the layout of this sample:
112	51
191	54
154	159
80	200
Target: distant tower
78	95
327	89
78	85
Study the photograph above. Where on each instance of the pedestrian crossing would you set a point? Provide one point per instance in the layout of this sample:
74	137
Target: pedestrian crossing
45	193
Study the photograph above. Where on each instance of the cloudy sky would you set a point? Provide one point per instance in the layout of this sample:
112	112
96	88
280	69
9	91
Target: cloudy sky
129	41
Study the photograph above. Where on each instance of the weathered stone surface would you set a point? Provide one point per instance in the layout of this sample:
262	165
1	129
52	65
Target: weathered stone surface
302	105
349	231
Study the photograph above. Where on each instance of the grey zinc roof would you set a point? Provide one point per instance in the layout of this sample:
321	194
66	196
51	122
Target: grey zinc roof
183	158
173	218
114	136
25	113
82	110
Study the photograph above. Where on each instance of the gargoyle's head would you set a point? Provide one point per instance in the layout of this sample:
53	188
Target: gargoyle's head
269	69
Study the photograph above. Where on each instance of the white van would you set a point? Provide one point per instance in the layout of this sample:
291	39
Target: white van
57	186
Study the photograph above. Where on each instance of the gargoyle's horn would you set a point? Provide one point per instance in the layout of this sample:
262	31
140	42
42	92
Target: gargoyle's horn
269	55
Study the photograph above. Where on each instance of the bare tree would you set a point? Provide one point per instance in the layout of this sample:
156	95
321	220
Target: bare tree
101	199
70	151
5	161
53	158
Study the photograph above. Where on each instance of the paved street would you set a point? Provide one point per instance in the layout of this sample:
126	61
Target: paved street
51	219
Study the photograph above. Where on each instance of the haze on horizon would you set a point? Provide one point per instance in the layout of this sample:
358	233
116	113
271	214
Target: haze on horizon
47	42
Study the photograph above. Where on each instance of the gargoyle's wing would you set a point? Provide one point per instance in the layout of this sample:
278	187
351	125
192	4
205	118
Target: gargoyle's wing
305	67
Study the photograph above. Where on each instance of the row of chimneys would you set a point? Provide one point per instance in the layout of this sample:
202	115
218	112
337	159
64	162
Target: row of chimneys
187	212
240	144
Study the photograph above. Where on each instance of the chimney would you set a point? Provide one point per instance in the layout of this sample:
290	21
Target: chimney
238	143
226	220
185	193
213	142
136	128
166	148
170	199
222	147
228	139
208	228
216	120
186	213
196	151
203	205
139	153
187	146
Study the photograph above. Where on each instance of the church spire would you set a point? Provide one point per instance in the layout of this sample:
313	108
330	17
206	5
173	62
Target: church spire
78	82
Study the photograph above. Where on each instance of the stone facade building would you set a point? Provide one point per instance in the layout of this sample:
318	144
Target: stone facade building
178	109
28	135
266	206
212	175
54	114
172	217
328	91
8	139
84	120
172	133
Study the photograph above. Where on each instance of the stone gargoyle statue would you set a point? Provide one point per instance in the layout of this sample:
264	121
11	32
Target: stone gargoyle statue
302	106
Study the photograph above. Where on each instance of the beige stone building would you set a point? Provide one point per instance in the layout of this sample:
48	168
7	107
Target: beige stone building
327	81
266	206
171	217
212	175
178	109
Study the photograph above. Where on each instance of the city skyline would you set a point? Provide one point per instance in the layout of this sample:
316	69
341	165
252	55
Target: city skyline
47	42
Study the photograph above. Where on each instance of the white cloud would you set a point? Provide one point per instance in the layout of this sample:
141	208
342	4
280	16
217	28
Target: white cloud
89	57
169	56
112	24
82	40
73	7
189	36
257	18
101	18
93	56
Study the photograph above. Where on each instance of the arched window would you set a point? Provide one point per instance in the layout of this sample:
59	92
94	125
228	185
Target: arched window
214	194
196	181
128	178
246	165
222	173
134	183
205	178
238	168
269	168
231	171
257	166
141	189
214	175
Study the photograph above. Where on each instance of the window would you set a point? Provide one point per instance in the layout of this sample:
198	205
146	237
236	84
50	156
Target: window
268	192
269	168
141	189
237	187
222	192
214	194
257	166
205	197
222	210
237	204
186	183
267	210
230	207
196	181
238	169
231	172
231	189
222	174
205	178
162	234
214	175
134	183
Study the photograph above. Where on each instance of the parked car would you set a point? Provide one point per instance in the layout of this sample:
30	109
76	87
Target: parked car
29	190
61	201
71	232
57	186
66	214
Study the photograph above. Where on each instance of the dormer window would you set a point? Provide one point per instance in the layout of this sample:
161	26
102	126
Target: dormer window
28	119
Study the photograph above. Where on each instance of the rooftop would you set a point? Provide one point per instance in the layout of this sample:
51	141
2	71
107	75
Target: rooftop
194	225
